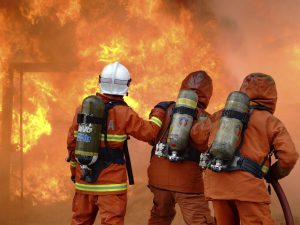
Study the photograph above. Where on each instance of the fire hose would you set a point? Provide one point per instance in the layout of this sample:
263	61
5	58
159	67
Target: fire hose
283	202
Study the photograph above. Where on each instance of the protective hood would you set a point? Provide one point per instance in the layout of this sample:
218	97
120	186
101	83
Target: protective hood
261	88
201	83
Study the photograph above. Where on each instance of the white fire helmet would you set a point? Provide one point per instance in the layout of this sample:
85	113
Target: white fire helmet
114	79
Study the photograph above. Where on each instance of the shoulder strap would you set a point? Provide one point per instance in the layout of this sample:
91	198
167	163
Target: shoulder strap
245	120
128	163
259	106
109	106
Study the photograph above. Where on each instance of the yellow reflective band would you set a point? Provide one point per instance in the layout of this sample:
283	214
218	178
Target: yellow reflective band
111	137
265	169
101	187
73	163
186	102
115	137
84	153
156	120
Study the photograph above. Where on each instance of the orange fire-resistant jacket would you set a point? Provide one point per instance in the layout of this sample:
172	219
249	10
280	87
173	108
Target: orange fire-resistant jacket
122	121
184	176
263	131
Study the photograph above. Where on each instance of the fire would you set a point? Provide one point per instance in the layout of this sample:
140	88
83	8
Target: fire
35	10
72	12
159	41
132	103
36	123
116	50
159	48
90	87
1	82
143	9
44	187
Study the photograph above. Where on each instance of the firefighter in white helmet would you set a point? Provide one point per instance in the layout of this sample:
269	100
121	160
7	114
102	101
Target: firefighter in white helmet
105	189
115	79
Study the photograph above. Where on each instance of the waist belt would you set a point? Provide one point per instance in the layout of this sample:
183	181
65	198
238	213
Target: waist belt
112	155
106	157
245	164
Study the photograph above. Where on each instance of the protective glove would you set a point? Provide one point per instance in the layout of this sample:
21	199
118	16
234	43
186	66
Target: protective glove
164	105
276	172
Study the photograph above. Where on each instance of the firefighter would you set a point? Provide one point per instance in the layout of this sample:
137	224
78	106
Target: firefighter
108	193
238	191
181	182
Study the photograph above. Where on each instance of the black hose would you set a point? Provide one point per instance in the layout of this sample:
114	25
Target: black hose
283	202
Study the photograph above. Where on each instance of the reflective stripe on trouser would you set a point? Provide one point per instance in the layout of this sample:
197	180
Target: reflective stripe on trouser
194	208
233	212
101	187
112	209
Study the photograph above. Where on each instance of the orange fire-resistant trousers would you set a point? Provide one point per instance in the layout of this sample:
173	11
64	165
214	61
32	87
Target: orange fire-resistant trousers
233	212
194	208
112	209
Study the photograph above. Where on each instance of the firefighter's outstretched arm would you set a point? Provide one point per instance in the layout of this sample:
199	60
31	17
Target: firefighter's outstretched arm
141	129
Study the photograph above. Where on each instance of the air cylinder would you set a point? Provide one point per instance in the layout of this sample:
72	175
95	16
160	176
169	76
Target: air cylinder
228	136
182	121
89	130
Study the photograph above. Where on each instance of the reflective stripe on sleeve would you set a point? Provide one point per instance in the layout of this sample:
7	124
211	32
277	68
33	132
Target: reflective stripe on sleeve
156	120
101	187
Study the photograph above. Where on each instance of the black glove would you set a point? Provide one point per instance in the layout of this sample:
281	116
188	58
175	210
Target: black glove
73	178
276	172
164	105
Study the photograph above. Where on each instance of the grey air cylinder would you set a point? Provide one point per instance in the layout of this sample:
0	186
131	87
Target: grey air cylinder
182	120
228	135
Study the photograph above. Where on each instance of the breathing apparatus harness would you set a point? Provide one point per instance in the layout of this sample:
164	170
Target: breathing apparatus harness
162	149
243	163
239	162
107	156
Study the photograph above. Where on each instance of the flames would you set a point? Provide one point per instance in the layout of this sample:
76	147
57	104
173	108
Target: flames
158	46
36	9
35	123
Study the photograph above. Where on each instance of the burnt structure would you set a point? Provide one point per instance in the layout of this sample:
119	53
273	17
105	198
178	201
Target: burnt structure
6	147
